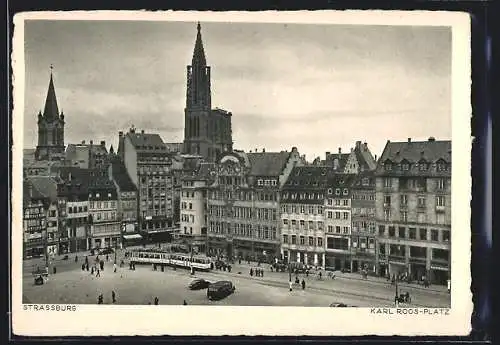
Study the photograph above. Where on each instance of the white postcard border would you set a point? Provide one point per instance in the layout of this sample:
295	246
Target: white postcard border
90	320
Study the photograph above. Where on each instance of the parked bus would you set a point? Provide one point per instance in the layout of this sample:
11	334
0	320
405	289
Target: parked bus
161	257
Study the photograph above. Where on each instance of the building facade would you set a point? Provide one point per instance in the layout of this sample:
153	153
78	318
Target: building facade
302	223
364	227
149	166
105	225
50	128
338	221
207	131
34	221
413	210
193	207
73	206
243	204
88	156
127	206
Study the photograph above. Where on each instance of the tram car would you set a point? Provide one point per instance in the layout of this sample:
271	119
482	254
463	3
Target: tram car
160	257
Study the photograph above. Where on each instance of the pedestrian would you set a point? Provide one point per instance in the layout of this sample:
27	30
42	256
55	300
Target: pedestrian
290	283
92	270
262	273
320	275
113	296
98	273
303	284
76	258
307	273
114	268
107	257
229	268
86	260
87	267
83	267
251	272
55	270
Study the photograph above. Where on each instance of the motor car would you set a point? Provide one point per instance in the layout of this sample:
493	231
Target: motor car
338	305
220	289
106	251
199	284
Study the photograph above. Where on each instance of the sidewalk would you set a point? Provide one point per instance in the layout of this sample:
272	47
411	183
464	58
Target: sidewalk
245	268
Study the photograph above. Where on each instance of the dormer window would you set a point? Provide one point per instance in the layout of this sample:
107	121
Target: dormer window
337	191
388	165
346	191
422	165
330	191
441	165
294	196
260	182
405	166
365	182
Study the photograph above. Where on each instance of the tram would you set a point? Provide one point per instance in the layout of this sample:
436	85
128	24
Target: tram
161	257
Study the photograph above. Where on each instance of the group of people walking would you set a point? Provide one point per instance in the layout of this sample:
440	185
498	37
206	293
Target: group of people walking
100	298
259	272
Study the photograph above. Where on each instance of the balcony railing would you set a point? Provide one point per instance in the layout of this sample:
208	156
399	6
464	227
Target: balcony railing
440	208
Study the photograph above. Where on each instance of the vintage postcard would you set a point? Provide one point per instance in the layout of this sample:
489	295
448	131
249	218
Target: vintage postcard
234	173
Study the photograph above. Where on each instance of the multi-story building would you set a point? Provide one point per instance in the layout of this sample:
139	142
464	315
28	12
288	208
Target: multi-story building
193	206
243	203
105	226
34	221
302	215
148	164
127	199
338	220
413	208
50	128
87	156
73	204
364	226
47	186
207	131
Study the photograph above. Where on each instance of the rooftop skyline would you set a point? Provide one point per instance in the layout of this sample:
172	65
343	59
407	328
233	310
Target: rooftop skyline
316	87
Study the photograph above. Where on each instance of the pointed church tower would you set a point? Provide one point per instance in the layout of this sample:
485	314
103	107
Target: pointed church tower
50	127
198	102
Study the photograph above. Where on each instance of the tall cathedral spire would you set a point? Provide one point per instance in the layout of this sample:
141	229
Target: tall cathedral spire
51	111
199	52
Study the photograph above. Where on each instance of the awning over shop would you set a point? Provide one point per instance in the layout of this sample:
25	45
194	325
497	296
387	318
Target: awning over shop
132	237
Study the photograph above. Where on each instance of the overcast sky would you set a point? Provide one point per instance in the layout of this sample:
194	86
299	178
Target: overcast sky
317	87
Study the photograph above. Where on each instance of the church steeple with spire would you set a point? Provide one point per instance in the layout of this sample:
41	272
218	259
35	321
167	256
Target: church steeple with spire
207	131
50	127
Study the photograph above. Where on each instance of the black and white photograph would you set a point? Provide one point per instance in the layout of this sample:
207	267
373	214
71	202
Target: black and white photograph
252	169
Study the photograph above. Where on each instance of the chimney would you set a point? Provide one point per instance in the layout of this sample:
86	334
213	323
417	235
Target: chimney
358	144
263	150
365	146
409	140
120	134
103	143
375	158
327	154
142	131
432	139
340	150
91	142
83	142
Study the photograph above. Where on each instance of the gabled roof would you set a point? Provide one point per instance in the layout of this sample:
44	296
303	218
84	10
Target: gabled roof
309	177
267	163
342	159
145	141
121	176
30	192
340	180
415	151
45	185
